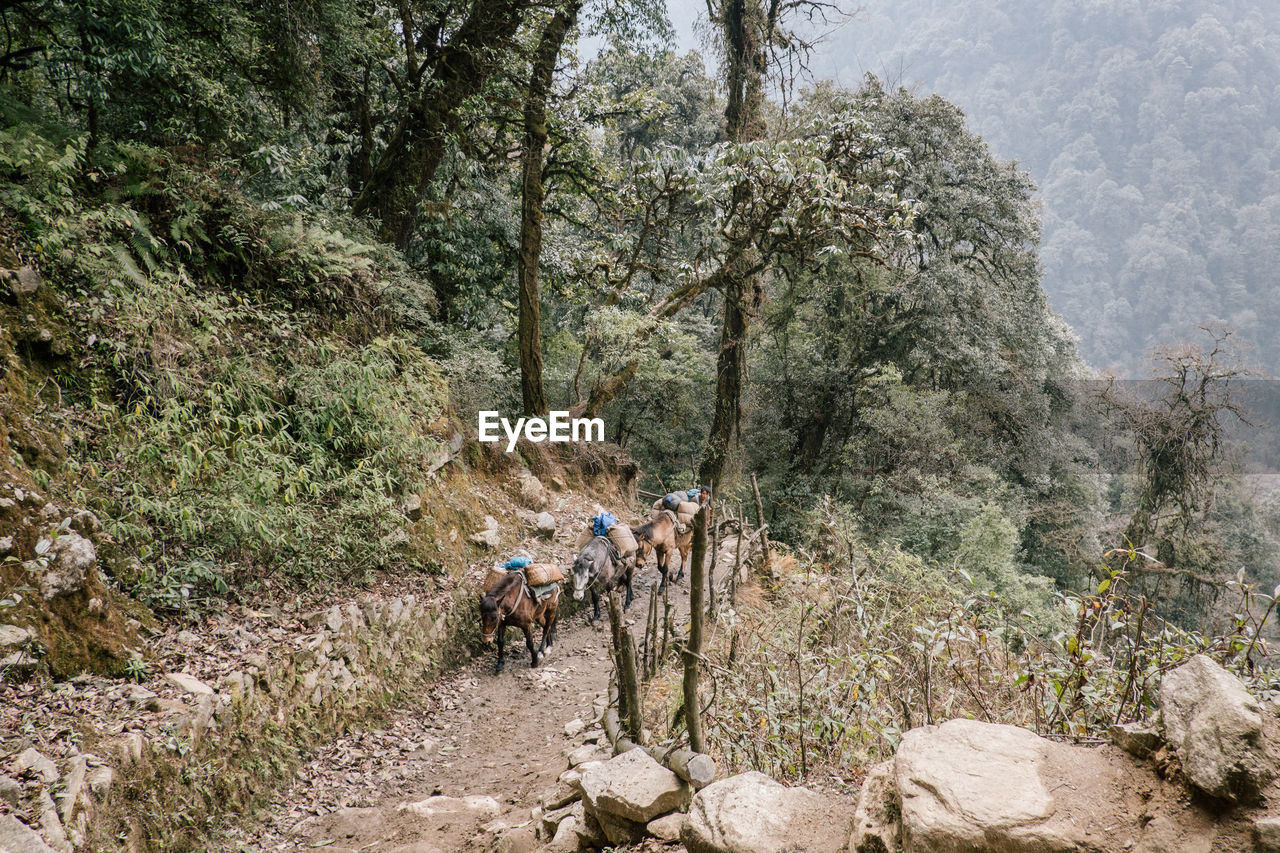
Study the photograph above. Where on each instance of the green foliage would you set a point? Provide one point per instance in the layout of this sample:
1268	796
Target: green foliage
258	410
857	645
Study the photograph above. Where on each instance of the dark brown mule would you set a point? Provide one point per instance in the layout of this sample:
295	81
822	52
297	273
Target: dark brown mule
658	535
510	602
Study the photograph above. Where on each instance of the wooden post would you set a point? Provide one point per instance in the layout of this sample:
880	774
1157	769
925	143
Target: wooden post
624	645
693	650
764	537
715	553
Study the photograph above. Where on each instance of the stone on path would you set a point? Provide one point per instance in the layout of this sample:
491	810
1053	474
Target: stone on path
1215	727
188	683
631	786
751	813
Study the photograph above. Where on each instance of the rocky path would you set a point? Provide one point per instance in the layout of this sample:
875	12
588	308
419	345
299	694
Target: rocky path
486	746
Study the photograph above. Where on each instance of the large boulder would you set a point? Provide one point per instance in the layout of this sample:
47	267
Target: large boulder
969	786
751	813
631	786
71	557
1215	727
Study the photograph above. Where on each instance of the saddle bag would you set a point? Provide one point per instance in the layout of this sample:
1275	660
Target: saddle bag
540	574
621	537
686	511
584	537
496	573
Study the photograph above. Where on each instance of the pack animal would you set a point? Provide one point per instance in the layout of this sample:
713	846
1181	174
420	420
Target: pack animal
511	602
659	536
599	566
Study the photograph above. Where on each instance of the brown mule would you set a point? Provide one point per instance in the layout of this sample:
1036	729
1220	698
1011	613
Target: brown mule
510	602
659	535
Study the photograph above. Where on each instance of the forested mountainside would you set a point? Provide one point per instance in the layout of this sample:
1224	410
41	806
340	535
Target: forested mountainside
1150	128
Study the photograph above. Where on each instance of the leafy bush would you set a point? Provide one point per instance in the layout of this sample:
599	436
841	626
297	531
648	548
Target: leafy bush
856	644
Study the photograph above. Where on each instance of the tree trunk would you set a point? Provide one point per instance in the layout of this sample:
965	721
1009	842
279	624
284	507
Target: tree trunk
697	614
535	142
403	173
744	71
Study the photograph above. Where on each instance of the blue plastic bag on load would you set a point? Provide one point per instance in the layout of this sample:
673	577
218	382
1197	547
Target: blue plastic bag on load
673	501
693	494
601	523
516	563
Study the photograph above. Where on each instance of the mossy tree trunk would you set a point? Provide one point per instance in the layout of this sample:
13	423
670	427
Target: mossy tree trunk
531	208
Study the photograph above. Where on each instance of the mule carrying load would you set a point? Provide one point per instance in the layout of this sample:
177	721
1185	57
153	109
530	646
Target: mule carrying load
684	505
606	524
606	558
522	593
542	578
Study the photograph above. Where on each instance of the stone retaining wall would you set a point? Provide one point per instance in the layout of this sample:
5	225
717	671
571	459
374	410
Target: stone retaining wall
224	744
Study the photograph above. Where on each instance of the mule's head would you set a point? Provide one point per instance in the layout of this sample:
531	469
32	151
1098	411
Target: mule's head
489	618
643	546
582	570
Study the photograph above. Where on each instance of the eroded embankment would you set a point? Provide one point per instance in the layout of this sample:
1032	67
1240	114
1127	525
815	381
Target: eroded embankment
232	705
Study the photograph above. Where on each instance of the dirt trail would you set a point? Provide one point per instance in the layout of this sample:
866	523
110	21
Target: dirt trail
477	734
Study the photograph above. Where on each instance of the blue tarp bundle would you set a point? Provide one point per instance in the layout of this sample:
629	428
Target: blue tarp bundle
601	523
693	494
516	563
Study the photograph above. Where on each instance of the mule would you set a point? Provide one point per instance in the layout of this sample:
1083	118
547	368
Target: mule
600	566
510	602
660	536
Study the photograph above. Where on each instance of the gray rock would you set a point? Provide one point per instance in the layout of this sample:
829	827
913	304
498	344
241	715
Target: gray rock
54	832
188	683
32	762
12	637
6	542
100	780
1215	727
1137	739
488	537
85	523
587	753
666	828
1266	835
532	493
473	806
16	836
632	787
751	813
877	821
23	281
10	791
71	558
545	522
571	729
968	785
73	788
18	665
413	507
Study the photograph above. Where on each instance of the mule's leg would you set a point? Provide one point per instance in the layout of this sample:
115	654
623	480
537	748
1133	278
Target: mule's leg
502	648
528	642
630	594
686	557
595	605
